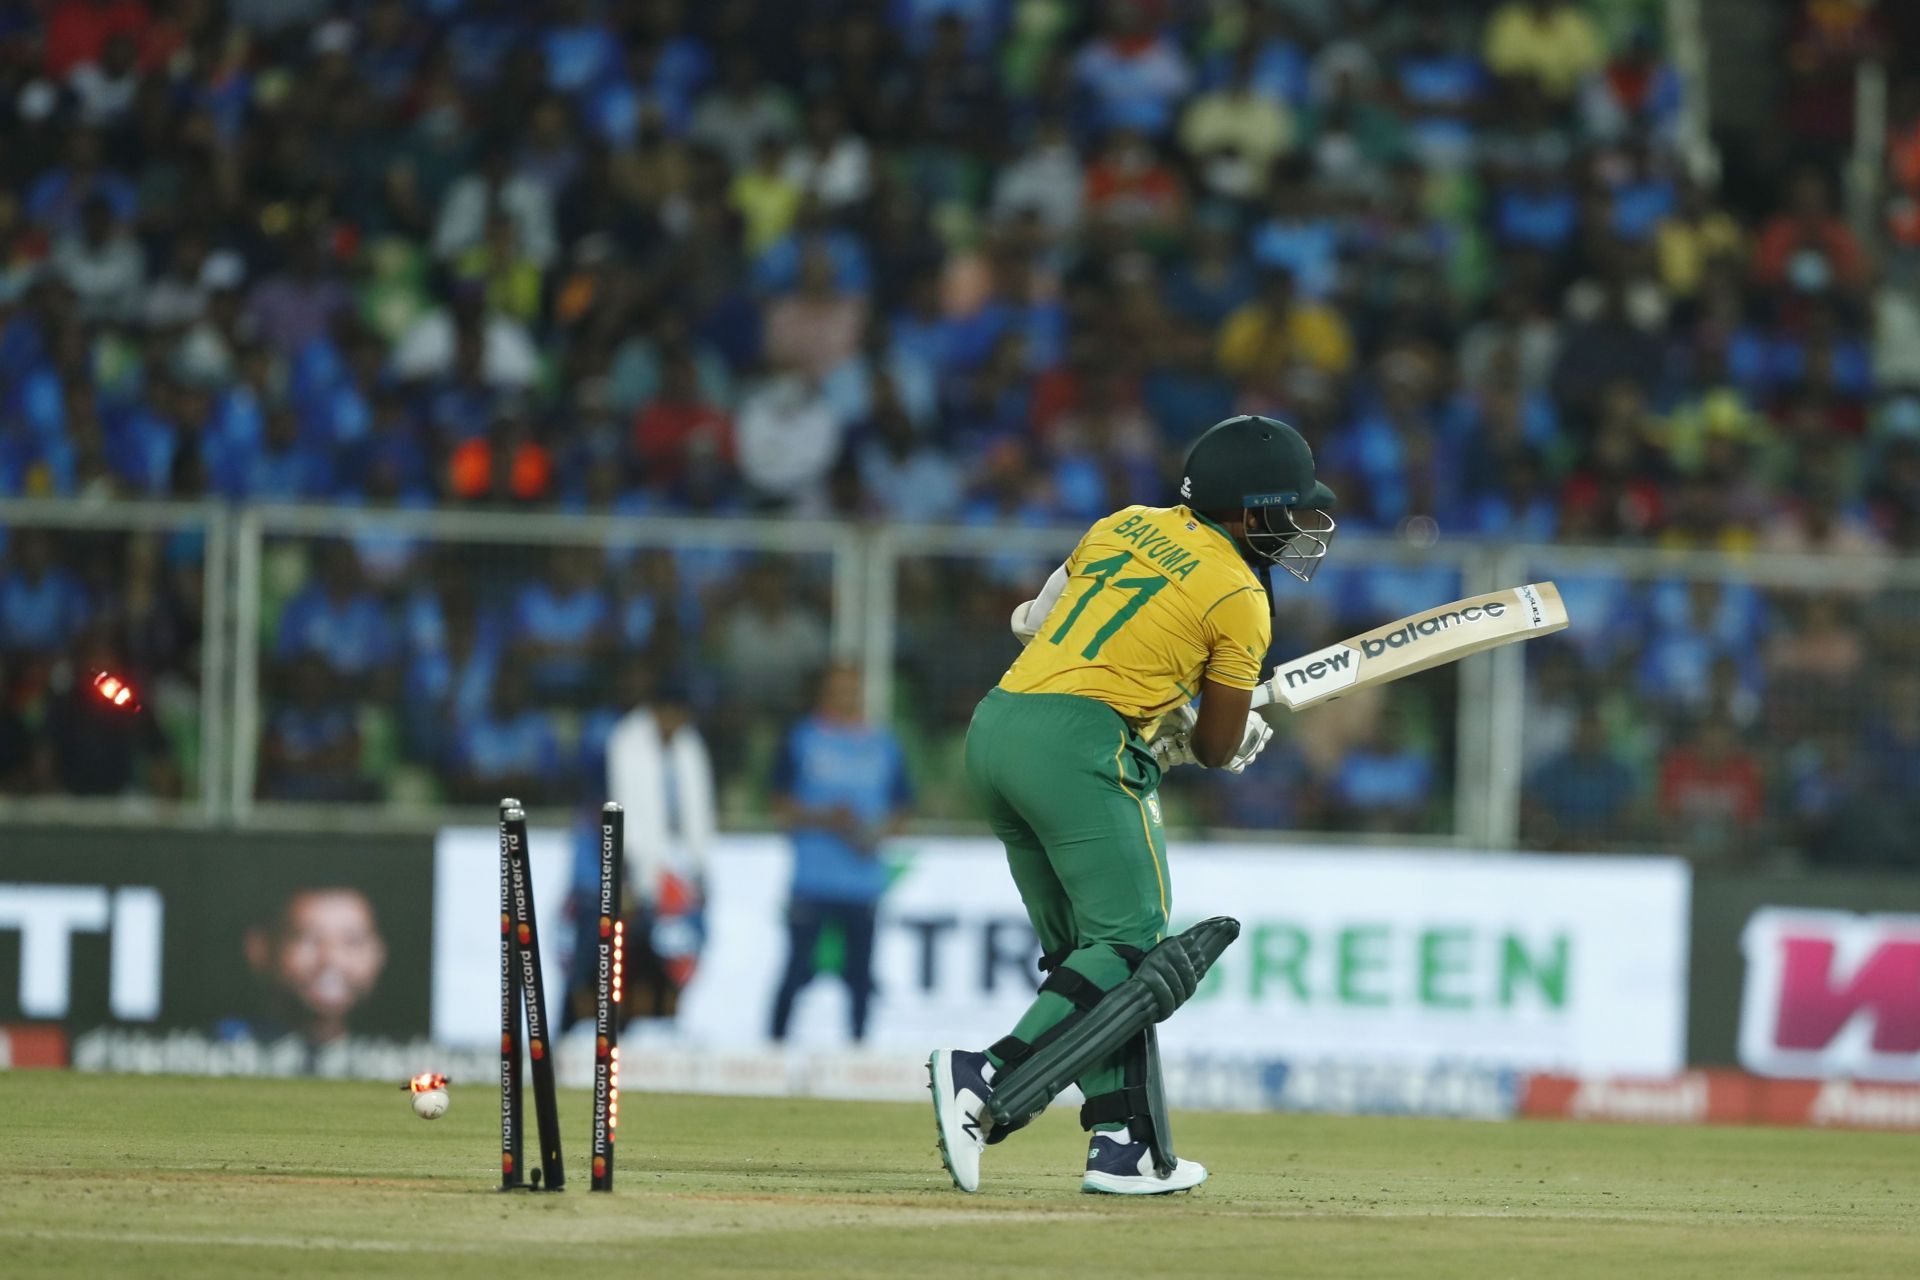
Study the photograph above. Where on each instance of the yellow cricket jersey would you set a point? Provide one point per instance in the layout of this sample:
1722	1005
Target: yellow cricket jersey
1156	599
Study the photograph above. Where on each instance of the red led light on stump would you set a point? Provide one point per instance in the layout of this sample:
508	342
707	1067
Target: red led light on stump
117	692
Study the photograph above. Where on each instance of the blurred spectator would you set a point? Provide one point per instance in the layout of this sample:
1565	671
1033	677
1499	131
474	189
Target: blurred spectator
1903	164
1637	93
280	465
103	264
1826	648
1235	132
840	788
294	307
562	625
336	619
1278	328
770	644
579	47
680	430
464	338
829	164
790	435
1693	239
511	748
1043	180
1836	809
1132	75
1826	41
657	768
454	657
744	112
79	31
1710	792
1611	347
1297	237
1130	188
816	328
59	197
1892	744
1583	797
907	477
310	750
1551	42
1806	248
1694	625
472	200
1384	783
42	604
765	197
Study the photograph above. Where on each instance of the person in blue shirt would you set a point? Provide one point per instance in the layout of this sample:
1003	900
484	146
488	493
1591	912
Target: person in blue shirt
580	48
840	787
513	749
1384	784
277	467
311	748
56	200
563	624
1584	795
42	605
337	619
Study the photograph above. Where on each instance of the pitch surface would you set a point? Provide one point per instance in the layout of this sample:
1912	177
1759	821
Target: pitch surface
115	1175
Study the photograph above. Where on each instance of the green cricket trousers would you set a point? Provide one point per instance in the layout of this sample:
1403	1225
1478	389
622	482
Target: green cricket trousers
1072	791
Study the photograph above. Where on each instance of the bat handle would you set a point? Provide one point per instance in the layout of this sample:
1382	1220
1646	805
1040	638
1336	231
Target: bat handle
1262	695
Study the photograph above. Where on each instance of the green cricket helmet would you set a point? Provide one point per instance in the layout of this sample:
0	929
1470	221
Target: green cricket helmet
1263	468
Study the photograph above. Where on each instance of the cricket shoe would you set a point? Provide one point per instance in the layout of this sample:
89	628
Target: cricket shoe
960	1092
1119	1167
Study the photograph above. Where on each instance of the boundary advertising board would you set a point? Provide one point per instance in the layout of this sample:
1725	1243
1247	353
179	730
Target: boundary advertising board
244	952
1415	957
1808	978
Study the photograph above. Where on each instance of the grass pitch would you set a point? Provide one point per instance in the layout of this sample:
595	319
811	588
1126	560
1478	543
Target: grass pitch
158	1176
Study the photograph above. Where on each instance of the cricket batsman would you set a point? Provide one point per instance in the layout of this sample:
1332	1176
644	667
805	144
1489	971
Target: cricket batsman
1157	606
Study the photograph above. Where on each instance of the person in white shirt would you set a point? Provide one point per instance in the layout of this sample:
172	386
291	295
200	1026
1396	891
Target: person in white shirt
831	163
789	436
659	771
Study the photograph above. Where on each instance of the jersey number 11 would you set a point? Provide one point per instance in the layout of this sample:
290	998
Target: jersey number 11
1102	572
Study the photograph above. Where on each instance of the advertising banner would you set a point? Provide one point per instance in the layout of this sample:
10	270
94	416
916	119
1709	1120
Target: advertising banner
1723	1097
1814	978
299	943
1413	958
1831	993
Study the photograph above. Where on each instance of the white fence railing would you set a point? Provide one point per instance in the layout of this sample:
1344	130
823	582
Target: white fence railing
920	609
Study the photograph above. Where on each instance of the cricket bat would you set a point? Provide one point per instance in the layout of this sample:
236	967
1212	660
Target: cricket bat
1415	643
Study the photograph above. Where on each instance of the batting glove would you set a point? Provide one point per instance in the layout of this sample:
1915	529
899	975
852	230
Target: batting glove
1173	742
1253	740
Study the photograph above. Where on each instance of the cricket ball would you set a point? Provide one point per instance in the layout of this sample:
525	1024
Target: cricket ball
430	1104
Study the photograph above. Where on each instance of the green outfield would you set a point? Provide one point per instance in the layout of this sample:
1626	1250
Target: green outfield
117	1175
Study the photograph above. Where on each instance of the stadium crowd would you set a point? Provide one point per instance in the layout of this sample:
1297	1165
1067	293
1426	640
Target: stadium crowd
979	261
